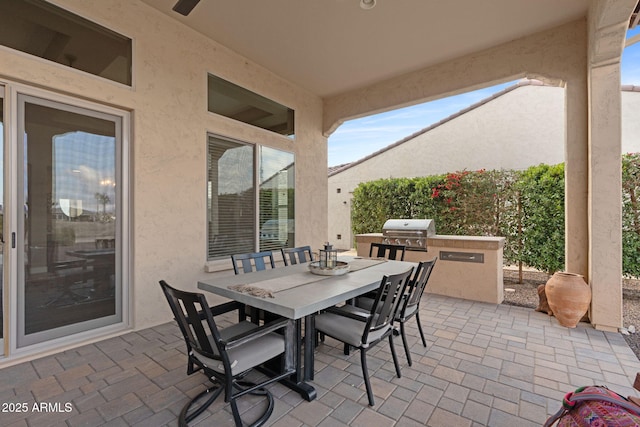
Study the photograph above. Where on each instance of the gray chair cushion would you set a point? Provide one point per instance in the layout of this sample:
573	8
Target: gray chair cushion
346	329
248	355
366	304
409	311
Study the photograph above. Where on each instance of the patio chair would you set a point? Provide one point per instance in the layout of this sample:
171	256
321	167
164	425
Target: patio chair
227	355
384	250
254	261
364	329
297	255
388	251
410	305
248	263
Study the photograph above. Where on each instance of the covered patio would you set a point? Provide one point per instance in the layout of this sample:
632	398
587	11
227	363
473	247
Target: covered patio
485	364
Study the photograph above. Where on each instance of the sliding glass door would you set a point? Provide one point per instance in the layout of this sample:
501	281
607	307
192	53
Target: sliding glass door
68	237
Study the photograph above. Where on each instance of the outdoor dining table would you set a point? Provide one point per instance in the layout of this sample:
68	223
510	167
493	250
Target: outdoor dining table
295	293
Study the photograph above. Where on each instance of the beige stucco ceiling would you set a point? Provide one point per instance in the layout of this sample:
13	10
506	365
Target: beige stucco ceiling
333	46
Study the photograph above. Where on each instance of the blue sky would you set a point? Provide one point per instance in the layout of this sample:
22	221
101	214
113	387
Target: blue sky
358	138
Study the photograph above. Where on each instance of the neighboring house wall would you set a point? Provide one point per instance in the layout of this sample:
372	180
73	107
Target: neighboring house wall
518	127
630	119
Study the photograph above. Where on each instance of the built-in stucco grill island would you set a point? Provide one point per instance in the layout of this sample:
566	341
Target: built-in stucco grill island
468	267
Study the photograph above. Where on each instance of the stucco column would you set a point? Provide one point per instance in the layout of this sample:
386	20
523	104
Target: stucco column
608	21
576	177
605	204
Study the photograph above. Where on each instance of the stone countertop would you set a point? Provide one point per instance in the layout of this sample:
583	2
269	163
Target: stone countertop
462	242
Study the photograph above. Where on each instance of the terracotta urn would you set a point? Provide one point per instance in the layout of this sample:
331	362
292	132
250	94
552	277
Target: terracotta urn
569	297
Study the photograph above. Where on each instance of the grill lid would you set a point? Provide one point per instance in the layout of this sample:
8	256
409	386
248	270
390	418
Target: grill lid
422	227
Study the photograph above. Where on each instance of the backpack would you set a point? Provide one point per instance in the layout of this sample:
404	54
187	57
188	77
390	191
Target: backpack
595	406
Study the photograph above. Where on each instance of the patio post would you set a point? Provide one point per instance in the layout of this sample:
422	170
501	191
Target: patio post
607	23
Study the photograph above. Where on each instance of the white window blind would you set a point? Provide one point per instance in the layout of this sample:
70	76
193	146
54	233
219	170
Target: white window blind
231	198
276	199
239	221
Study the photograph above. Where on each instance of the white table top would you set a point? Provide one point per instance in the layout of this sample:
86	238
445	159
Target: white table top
306	299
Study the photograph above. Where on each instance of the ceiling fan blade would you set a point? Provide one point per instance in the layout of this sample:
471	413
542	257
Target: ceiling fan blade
184	7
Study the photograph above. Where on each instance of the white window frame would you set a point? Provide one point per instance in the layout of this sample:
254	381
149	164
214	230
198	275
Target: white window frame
12	90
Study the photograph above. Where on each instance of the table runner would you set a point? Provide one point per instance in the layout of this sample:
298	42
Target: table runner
267	288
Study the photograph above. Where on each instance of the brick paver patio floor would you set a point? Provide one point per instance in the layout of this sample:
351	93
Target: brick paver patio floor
485	364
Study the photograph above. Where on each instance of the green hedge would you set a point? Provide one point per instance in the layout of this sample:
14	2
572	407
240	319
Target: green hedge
631	215
526	207
541	192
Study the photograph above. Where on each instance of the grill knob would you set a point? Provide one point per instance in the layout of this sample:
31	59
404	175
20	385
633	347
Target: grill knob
408	242
397	241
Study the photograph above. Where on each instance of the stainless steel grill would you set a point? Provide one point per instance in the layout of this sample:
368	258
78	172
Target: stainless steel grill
411	233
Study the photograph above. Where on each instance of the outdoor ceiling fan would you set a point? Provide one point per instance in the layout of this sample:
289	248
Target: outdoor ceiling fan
184	7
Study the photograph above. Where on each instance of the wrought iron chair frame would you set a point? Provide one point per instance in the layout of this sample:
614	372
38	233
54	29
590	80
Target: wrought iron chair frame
301	254
388	251
192	313
377	321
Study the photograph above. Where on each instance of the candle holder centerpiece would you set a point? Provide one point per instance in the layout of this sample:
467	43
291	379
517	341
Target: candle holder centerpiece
327	263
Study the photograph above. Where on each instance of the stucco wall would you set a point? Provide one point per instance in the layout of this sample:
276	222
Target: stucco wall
168	139
522	127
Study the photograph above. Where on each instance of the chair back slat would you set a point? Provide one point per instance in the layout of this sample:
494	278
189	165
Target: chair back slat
388	251
387	301
419	283
187	308
298	255
254	261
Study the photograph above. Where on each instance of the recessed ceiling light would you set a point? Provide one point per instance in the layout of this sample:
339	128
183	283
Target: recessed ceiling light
367	4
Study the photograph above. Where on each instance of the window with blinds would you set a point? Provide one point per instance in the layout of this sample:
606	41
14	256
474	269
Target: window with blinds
250	198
